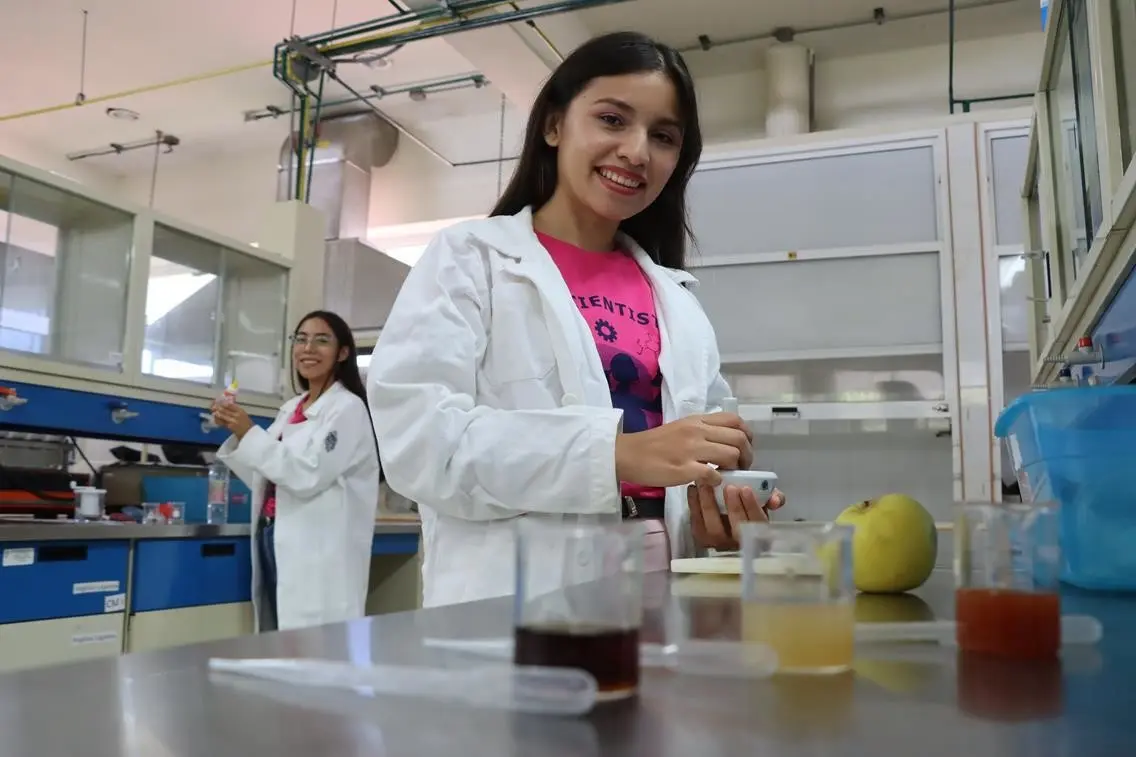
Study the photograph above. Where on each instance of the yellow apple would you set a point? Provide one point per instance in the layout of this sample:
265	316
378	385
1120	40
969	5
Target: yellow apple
898	676
894	546
892	608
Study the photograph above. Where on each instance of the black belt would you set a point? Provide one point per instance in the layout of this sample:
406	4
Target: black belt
264	521
638	508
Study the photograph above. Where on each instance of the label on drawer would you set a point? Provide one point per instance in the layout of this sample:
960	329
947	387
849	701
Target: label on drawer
95	587
95	637
114	603
14	558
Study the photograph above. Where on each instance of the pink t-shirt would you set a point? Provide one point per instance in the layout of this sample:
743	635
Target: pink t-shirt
615	298
269	509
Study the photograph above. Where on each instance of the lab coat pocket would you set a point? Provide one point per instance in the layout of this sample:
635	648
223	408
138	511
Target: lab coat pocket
519	347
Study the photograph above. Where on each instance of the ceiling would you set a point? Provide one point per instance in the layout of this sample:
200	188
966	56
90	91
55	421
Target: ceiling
740	29
136	45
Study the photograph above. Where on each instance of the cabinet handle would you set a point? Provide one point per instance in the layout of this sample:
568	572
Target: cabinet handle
218	550
63	553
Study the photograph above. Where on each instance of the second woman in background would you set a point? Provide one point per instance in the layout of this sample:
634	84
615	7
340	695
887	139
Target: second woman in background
550	360
314	477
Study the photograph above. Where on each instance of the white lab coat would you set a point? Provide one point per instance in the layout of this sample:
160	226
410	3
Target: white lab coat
490	401
326	472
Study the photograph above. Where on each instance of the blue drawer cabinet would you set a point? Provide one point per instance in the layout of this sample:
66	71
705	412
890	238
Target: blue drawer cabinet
62	579
177	573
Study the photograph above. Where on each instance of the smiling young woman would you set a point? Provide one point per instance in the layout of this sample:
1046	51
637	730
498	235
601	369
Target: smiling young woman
550	361
314	474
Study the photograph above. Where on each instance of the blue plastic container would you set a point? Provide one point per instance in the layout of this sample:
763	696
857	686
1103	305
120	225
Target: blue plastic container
194	491
1076	446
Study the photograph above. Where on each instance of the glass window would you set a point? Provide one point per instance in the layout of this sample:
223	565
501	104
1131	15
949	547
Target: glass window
64	271
364	362
1015	293
1086	114
1008	158
872	197
255	303
896	378
1064	135
1124	26
1040	286
182	307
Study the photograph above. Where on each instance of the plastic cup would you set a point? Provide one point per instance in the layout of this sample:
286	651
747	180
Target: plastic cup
1007	562
579	600
797	594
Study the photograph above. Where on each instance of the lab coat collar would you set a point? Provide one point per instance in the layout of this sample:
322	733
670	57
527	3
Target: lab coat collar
322	402
514	237
577	359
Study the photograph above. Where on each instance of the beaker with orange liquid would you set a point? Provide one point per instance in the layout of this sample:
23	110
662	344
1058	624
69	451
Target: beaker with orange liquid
1007	563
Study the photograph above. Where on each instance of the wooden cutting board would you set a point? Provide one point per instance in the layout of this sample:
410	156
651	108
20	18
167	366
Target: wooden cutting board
707	585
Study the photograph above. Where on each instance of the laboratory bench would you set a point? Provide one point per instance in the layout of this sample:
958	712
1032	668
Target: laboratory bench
938	704
72	591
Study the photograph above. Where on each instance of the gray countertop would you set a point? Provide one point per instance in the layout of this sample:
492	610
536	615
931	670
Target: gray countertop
165	703
62	530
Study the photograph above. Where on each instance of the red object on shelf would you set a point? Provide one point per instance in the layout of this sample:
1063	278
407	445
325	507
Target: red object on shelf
1008	622
1085	342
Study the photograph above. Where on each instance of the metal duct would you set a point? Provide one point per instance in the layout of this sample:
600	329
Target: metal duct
789	91
348	149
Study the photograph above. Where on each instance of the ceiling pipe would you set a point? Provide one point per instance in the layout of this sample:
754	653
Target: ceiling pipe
300	61
966	103
445	18
434	86
161	139
877	18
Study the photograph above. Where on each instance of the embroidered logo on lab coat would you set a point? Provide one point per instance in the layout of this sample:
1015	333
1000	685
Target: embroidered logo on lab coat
330	440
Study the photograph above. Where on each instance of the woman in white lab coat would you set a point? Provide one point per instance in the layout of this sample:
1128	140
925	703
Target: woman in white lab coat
551	361
314	474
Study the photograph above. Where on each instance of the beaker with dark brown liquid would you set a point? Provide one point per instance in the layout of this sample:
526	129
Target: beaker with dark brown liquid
609	654
579	600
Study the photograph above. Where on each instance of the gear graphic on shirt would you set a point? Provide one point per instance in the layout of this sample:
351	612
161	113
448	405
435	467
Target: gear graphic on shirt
606	331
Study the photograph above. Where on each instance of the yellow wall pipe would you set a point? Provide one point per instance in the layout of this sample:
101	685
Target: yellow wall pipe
217	74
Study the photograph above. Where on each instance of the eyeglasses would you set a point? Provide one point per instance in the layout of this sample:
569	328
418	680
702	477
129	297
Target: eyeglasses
303	340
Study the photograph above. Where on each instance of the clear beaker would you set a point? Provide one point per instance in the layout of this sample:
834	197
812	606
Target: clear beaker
1007	566
579	600
797	594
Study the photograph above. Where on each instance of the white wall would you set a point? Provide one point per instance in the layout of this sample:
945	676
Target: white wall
228	194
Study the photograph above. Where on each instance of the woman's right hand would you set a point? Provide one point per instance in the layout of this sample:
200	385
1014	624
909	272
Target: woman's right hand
677	453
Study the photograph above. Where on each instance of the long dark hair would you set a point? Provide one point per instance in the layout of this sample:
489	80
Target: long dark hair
345	371
662	228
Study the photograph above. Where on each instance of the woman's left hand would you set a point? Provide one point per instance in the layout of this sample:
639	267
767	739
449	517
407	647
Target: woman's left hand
716	530
233	417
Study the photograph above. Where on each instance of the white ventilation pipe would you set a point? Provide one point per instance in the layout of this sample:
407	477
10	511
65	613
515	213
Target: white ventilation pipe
788	70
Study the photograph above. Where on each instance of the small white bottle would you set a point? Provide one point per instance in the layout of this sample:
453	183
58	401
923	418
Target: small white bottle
229	396
217	507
